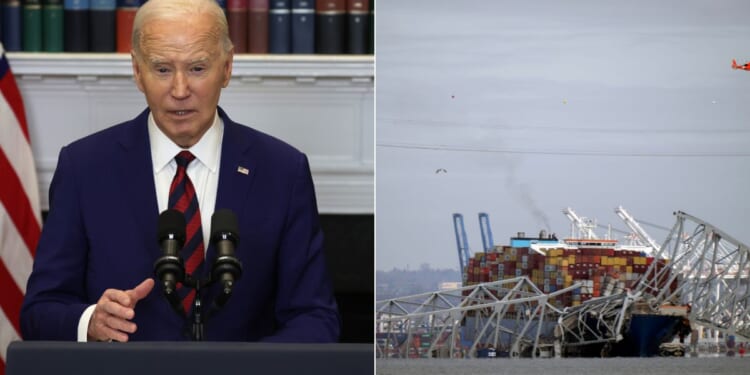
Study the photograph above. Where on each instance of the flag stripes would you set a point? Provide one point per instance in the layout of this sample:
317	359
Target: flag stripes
20	214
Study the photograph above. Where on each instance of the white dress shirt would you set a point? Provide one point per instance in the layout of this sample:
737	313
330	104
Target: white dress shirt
203	173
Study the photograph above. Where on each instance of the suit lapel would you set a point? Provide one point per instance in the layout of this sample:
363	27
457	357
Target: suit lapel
138	179
236	172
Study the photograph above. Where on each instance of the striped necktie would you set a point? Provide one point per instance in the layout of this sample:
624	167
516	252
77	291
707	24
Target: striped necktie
182	198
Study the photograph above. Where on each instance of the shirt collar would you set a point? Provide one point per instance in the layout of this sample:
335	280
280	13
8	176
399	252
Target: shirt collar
206	151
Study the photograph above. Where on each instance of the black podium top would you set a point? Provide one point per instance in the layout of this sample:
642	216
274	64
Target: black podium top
166	358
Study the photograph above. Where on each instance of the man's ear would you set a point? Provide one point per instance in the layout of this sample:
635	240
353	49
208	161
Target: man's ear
228	68
137	73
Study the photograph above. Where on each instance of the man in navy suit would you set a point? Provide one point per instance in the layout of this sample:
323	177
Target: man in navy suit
94	267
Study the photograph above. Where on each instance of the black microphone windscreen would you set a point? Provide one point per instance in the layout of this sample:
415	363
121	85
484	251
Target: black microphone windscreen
224	221
172	222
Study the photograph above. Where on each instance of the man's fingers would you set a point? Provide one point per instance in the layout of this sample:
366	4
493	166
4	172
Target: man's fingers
141	291
104	326
117	310
113	312
119	324
106	333
120	296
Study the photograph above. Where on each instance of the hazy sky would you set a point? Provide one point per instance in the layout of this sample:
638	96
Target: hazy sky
532	107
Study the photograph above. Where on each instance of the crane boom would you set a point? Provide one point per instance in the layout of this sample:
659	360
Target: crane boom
585	229
462	243
484	227
636	228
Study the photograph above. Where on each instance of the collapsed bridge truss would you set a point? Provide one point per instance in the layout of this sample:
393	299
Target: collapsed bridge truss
706	269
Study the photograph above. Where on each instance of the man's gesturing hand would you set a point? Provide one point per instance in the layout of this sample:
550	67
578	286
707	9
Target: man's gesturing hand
114	310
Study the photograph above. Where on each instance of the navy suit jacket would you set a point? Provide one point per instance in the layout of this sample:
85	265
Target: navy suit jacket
101	232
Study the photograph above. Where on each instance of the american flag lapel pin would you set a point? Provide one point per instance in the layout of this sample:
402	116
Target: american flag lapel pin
243	170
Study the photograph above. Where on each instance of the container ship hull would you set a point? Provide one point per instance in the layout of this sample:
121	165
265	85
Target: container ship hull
642	339
599	266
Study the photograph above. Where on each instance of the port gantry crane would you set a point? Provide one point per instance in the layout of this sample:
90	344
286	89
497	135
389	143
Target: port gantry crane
484	226
462	243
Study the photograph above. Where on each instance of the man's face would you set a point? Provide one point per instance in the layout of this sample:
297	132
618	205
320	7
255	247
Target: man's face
182	70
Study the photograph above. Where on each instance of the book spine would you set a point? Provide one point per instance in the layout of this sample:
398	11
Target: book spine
330	23
32	25
257	26
125	14
303	26
371	33
11	25
76	23
103	30
280	26
52	25
357	12
237	14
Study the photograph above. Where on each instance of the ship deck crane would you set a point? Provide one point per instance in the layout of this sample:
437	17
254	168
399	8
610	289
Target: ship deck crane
637	229
585	227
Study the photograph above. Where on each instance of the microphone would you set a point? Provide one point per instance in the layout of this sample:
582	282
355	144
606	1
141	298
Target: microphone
169	268
227	268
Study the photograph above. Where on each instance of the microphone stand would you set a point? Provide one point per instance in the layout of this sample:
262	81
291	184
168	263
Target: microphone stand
197	316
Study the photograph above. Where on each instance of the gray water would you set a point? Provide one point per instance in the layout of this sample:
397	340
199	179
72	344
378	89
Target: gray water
566	366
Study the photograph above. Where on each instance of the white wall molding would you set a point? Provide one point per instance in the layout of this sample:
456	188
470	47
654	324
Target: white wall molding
324	105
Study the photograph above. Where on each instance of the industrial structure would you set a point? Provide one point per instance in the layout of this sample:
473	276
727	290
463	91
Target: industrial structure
698	275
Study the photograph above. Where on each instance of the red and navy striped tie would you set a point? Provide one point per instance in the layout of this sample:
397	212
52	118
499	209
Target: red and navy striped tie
182	198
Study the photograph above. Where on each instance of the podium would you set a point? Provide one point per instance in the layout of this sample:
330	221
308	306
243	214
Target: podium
145	358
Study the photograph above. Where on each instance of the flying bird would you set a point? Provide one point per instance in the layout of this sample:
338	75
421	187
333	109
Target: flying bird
745	66
440	170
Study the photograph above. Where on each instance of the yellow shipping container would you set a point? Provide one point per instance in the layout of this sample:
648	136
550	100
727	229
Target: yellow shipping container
571	259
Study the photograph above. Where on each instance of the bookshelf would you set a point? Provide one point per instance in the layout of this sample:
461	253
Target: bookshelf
321	104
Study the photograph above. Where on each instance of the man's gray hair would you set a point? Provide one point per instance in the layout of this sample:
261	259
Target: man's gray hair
179	9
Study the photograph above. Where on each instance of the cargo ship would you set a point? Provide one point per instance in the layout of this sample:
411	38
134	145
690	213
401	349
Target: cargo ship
601	266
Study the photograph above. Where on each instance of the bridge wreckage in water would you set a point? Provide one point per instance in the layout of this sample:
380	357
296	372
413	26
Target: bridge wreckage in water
698	276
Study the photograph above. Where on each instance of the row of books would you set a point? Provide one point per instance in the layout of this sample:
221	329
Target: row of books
255	26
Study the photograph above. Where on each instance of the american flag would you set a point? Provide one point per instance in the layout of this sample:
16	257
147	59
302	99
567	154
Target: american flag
20	220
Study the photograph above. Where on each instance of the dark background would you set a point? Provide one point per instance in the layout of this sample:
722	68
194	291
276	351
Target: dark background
350	245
